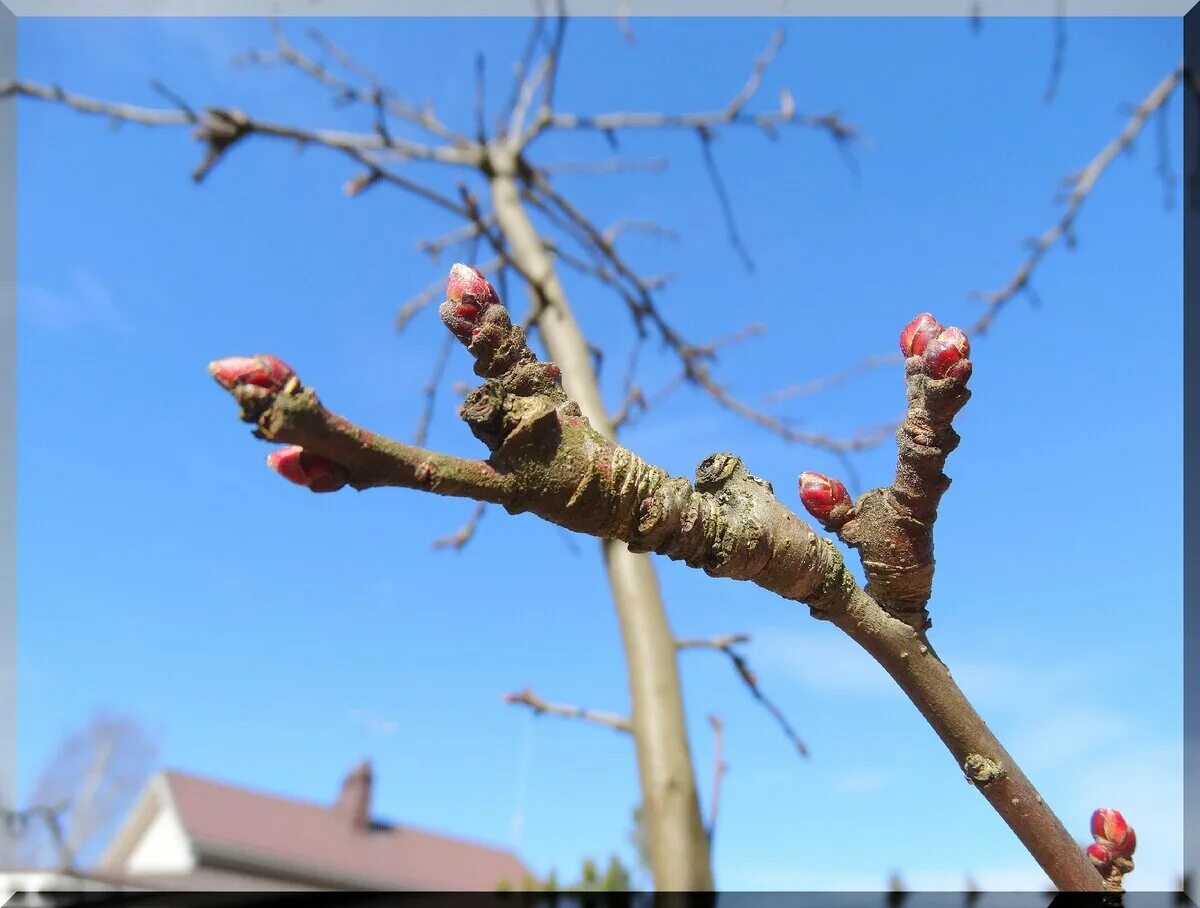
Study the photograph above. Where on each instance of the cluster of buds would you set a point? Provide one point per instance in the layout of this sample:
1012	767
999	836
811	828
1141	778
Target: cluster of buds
826	499
468	295
264	375
1112	852
309	470
944	351
262	371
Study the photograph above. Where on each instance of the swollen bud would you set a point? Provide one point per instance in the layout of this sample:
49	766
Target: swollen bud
918	333
1101	855
946	355
309	470
263	370
468	294
825	498
1110	828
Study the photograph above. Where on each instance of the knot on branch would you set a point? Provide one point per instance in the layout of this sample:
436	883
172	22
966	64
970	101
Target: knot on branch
219	130
982	770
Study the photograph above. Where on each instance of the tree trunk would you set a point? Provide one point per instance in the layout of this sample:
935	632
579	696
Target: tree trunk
678	841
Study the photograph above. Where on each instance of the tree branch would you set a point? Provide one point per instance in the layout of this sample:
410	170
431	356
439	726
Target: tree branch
1082	184
892	527
464	534
547	459
734	113
542	707
720	767
725	644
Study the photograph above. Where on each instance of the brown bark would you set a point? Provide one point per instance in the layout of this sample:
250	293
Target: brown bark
548	459
679	848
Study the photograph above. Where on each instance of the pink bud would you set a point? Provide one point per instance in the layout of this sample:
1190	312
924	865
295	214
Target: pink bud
822	496
1110	827
468	294
263	370
309	470
946	355
918	333
1101	854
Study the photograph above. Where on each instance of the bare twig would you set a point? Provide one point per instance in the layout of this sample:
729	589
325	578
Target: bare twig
720	767
429	392
718	185
725	644
609	165
1060	50
464	534
542	707
1081	185
733	113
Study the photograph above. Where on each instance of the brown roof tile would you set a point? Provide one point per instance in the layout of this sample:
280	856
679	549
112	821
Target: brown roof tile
313	839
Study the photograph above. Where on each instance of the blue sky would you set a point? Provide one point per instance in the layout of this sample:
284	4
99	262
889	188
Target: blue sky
272	638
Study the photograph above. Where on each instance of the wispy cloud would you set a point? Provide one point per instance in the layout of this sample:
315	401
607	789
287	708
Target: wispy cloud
85	303
822	662
375	724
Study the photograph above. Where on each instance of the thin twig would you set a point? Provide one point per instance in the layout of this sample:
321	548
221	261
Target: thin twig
464	534
429	392
725	644
542	707
1082	185
720	767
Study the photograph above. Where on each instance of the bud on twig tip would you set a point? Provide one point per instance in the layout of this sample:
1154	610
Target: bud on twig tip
918	333
825	498
262	370
468	295
946	355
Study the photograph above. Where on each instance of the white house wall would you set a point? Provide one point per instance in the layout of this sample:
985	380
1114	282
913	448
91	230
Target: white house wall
162	848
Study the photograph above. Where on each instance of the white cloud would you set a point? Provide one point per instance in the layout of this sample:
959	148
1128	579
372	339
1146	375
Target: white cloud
828	662
862	782
85	303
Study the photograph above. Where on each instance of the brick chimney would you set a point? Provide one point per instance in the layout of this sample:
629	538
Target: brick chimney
354	803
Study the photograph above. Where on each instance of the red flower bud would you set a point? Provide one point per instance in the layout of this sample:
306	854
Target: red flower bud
468	294
309	470
263	370
823	497
946	355
1109	827
1101	855
918	333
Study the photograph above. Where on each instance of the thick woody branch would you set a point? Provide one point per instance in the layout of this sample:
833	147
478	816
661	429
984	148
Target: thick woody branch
548	460
543	707
892	527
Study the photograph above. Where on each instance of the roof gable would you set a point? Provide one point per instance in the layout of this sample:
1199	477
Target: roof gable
226	822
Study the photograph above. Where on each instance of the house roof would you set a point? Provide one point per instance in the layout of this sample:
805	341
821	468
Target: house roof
249	829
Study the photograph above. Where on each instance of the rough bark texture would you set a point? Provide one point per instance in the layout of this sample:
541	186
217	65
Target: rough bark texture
892	528
680	853
548	459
